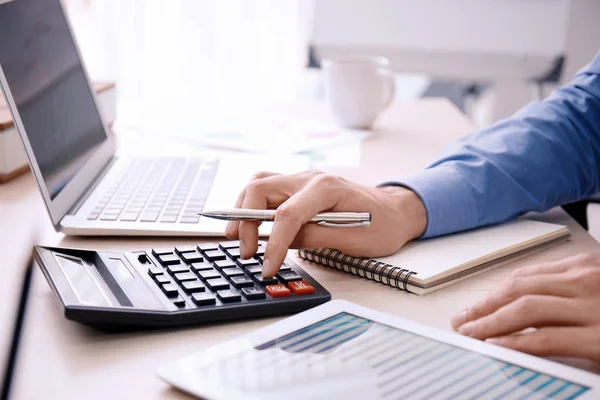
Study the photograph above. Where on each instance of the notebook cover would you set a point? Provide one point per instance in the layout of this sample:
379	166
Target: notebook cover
428	264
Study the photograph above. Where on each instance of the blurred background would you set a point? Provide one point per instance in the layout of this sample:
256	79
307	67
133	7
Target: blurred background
182	62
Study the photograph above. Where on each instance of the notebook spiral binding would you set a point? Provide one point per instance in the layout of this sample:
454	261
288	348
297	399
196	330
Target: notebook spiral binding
366	268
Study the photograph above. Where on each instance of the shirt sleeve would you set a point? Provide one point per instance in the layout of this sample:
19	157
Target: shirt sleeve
545	155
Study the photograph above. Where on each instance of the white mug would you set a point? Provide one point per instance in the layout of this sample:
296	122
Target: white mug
357	89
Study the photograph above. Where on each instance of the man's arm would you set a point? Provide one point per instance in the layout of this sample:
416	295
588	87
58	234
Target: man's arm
546	155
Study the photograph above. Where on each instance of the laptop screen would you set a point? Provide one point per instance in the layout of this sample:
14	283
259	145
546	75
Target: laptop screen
48	84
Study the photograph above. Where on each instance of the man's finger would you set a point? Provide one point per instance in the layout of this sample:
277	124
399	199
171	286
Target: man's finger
511	290
559	265
320	194
525	312
554	341
232	229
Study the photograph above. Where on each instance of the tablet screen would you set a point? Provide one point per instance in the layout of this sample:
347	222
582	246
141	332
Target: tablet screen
391	362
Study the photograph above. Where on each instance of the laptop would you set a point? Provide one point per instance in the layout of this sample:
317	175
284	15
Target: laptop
87	189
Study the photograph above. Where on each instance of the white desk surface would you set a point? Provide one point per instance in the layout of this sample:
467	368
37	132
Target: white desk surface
64	360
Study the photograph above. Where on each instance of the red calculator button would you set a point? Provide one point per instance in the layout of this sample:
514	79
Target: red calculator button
301	287
278	290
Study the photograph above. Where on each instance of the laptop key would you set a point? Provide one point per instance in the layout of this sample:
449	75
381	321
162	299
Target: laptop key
202	299
149	217
168	218
129	216
193	287
109	217
228	296
217	284
252	293
189	220
242	282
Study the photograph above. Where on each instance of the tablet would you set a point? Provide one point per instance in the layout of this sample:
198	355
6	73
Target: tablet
342	350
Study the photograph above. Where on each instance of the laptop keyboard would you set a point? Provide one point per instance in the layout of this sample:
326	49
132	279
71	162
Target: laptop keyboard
213	273
168	190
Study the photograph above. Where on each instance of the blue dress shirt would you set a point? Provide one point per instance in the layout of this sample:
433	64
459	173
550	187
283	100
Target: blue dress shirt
545	155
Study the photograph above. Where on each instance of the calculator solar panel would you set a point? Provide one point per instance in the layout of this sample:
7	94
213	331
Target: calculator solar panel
176	286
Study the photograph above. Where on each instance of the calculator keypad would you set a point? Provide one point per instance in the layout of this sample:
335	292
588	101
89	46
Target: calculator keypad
214	273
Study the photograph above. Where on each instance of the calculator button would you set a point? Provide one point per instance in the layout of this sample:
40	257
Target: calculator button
179	302
253	293
209	274
255	269
201	299
143	258
224	264
278	290
289	276
231	272
217	284
227	296
193	286
259	259
208	246
301	287
242	282
191	257
246	263
260	252
258	278
229	245
175	269
168	259
201	266
233	253
155	271
169	289
161	252
185	276
162	279
214	255
184	249
285	267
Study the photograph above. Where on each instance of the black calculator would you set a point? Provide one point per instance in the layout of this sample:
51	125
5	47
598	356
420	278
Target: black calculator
169	287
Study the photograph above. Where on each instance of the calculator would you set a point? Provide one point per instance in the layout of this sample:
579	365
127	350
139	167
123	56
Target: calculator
167	287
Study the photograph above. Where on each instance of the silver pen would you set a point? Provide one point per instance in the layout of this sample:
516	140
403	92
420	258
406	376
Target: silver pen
334	219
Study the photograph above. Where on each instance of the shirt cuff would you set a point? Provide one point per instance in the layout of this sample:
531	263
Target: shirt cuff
448	199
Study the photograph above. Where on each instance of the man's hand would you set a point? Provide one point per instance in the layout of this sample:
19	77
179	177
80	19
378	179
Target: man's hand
560	299
397	216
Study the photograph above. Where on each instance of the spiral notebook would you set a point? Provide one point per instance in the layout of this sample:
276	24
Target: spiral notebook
424	266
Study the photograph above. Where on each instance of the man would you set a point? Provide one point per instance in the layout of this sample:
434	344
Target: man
547	154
